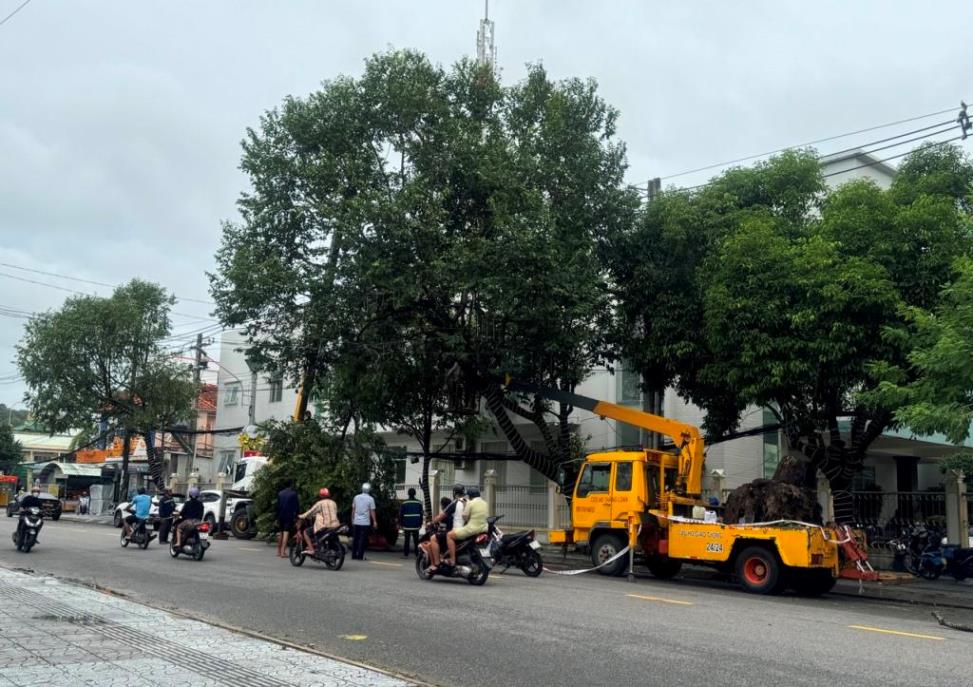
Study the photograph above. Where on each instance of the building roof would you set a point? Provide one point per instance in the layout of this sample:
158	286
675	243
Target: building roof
207	398
860	158
37	441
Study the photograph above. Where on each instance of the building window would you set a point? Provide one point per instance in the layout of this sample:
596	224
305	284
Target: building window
398	454
446	474
628	391
537	479
496	448
227	459
276	389
231	394
771	445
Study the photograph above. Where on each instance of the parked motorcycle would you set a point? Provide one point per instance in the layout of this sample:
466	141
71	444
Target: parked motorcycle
25	536
473	560
328	548
141	536
519	550
939	557
924	557
194	543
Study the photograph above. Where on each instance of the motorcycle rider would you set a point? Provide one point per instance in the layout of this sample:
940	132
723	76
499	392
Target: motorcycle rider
325	513
476	514
190	515
452	515
32	500
141	504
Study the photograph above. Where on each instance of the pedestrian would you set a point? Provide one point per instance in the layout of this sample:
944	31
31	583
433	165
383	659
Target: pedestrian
362	520
83	503
288	506
410	518
167	509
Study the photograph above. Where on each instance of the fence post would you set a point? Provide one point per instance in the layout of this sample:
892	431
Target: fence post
552	507
434	491
957	521
490	490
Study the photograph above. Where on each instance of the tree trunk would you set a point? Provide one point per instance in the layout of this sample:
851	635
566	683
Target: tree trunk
545	465
156	467
126	447
426	496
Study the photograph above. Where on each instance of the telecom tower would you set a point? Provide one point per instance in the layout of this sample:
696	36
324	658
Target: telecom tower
486	51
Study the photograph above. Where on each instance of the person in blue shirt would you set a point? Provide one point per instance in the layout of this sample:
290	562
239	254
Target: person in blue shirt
141	505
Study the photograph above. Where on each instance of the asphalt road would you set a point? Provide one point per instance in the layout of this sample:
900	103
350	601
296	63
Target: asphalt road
582	630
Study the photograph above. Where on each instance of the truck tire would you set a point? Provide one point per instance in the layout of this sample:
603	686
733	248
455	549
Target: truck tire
604	547
760	571
812	582
663	567
240	525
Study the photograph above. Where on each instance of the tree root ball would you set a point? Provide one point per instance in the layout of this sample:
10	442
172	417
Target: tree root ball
764	500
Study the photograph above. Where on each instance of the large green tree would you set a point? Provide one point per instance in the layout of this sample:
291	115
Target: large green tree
774	291
102	358
412	235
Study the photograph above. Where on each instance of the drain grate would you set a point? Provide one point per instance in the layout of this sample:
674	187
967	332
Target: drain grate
206	665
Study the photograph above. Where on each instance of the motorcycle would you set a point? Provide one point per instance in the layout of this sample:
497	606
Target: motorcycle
328	549
473	560
924	557
141	536
25	536
194	543
520	549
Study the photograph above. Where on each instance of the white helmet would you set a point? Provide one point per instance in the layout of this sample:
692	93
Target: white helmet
366	487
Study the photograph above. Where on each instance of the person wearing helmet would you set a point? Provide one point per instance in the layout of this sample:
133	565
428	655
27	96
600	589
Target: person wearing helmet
32	500
288	506
363	519
325	513
475	515
452	516
190	515
141	505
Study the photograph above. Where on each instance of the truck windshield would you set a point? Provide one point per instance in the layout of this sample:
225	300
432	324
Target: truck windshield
594	478
239	471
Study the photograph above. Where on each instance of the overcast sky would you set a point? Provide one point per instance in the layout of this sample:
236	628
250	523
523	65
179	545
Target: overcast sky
120	121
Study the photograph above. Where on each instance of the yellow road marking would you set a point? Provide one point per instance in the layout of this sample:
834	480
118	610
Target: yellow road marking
249	548
390	565
661	600
896	633
354	638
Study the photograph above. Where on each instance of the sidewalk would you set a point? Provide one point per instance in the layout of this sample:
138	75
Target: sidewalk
57	633
87	519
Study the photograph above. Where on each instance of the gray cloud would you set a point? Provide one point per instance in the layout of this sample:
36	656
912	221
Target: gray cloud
120	122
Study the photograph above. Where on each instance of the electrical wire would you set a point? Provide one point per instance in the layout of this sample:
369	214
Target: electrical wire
10	16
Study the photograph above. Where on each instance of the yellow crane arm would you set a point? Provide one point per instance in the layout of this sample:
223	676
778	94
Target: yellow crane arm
687	438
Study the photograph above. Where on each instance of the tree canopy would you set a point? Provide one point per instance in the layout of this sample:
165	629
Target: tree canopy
102	358
412	235
10	450
766	288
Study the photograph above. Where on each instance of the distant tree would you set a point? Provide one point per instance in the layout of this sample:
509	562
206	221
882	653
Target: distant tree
12	416
103	358
11	451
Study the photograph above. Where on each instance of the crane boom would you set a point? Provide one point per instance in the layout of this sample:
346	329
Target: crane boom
686	437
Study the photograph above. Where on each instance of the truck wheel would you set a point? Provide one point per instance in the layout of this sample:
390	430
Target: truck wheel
662	567
759	571
240	525
606	546
812	582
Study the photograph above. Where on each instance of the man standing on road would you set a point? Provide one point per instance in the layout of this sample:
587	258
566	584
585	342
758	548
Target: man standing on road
288	506
362	519
167	507
410	518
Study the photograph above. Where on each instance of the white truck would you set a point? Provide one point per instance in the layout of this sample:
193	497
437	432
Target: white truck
237	511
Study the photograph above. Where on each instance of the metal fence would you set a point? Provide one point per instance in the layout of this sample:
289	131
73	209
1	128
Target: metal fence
522	506
892	512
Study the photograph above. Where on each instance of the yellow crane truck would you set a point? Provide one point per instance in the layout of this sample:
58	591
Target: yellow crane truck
650	500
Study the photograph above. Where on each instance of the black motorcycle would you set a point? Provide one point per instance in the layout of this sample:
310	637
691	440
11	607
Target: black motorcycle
473	560
328	549
194	543
518	550
140	536
25	536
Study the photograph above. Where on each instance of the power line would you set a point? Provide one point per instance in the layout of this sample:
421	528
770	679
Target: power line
90	281
9	16
814	142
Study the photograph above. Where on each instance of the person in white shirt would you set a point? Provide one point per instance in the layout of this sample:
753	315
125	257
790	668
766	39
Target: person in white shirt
362	520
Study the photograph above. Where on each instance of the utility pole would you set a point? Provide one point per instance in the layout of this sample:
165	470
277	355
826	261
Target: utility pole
194	420
652	397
